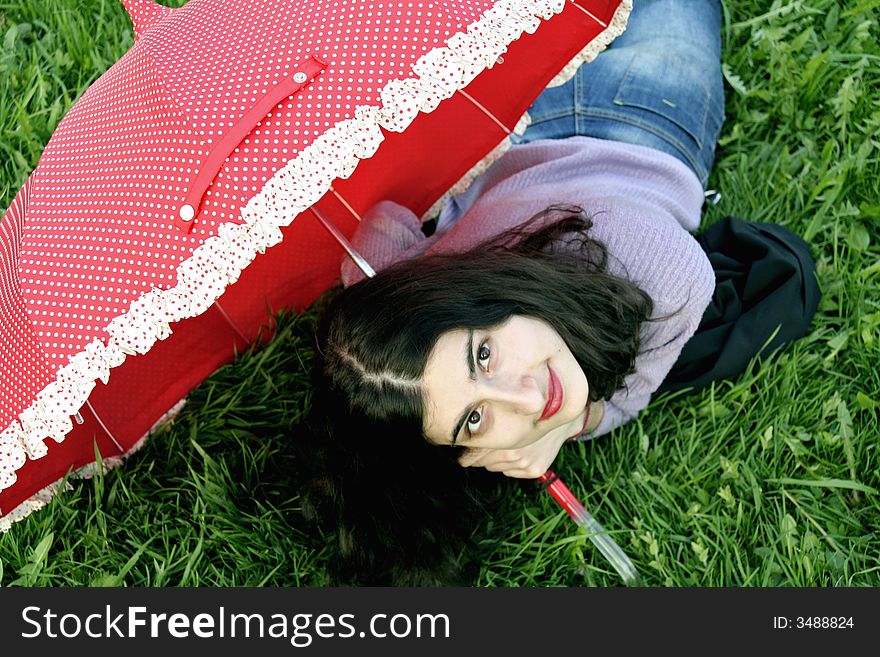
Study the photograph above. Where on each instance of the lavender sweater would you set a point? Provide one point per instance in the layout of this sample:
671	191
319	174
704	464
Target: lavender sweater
643	204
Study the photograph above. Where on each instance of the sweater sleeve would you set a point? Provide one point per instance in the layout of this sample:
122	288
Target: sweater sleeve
388	232
680	281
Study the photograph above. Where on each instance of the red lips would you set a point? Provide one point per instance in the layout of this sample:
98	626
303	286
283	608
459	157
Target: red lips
554	395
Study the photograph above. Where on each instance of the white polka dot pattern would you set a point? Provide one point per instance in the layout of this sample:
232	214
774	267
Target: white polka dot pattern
95	269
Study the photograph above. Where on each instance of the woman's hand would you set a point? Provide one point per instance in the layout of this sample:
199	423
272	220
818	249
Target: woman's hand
533	460
527	462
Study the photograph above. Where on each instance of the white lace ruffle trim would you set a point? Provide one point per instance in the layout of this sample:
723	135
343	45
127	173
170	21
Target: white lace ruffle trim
42	497
218	262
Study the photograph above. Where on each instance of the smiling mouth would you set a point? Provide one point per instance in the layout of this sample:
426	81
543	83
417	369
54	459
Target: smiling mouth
554	395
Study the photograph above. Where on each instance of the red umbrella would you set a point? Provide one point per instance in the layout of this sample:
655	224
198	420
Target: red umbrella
129	258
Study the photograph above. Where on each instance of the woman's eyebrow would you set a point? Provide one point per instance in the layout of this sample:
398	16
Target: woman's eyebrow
472	372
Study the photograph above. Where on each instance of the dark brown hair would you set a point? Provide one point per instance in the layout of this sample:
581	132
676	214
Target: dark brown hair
402	508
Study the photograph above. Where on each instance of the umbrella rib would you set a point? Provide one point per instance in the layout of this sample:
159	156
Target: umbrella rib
104	427
231	323
359	260
590	15
345	203
484	111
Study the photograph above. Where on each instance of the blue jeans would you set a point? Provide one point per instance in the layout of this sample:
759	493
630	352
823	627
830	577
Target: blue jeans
659	84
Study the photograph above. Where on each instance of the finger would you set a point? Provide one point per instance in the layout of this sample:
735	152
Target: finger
472	457
520	474
516	470
494	457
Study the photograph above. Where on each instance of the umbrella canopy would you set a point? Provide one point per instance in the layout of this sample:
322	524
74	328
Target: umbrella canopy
130	268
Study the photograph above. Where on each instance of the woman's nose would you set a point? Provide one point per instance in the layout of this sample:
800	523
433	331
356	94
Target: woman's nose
522	394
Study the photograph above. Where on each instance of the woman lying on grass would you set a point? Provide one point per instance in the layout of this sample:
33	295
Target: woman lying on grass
550	303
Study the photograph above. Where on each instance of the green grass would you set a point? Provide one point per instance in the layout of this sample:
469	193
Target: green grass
768	480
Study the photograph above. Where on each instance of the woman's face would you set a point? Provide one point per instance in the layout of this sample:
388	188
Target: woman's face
503	387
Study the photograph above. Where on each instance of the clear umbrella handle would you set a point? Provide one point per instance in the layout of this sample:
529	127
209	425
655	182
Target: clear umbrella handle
596	533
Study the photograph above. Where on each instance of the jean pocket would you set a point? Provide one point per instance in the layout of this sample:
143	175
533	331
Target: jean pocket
667	85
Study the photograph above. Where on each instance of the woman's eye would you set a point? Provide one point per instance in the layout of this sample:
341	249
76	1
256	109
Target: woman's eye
483	353
475	419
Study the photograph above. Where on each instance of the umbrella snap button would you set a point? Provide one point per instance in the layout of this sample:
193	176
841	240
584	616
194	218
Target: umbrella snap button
212	162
